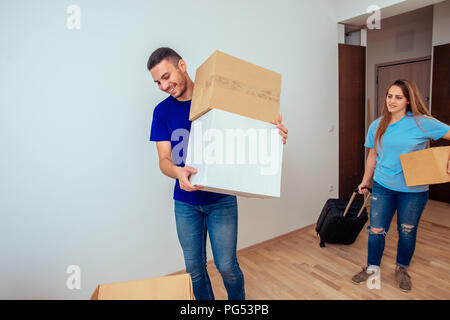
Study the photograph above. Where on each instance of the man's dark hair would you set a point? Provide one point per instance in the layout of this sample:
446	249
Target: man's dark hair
163	53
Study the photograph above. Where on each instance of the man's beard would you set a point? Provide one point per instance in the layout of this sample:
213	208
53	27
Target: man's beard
183	88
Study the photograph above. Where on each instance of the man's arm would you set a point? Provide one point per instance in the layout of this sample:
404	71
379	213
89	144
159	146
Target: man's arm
171	170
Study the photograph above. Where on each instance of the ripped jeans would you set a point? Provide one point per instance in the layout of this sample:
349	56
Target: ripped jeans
384	203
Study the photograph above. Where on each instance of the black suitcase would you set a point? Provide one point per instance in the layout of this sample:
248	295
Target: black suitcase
341	221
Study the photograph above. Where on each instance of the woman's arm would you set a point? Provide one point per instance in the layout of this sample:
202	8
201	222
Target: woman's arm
368	173
447	137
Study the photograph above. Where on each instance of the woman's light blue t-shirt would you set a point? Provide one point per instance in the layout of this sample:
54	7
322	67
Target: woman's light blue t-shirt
401	137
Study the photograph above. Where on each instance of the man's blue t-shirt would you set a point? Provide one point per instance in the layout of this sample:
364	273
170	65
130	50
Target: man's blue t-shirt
171	123
401	137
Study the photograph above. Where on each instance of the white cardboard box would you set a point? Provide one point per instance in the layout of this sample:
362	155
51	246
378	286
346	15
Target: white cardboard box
236	155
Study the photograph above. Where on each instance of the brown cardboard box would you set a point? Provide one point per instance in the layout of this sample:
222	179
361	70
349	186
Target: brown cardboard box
231	84
427	166
174	287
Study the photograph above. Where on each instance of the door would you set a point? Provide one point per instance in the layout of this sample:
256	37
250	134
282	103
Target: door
440	108
418	71
352	95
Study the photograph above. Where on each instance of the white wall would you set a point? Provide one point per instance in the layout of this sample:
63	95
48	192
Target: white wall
80	183
401	37
353	38
441	23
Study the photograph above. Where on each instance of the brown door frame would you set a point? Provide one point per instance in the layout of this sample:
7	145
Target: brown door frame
440	85
352	116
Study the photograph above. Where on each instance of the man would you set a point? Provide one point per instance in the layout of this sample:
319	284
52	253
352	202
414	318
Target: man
196	212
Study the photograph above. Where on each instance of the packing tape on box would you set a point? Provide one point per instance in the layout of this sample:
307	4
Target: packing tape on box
231	84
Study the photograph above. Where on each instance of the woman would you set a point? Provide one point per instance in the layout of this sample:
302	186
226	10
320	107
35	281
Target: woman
405	126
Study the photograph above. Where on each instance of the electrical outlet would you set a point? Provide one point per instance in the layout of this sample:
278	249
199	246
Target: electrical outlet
330	128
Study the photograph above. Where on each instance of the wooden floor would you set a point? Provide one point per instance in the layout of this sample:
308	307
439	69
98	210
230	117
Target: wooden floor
294	267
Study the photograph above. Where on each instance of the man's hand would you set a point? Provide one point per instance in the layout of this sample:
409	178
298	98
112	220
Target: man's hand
171	170
282	129
448	166
183	178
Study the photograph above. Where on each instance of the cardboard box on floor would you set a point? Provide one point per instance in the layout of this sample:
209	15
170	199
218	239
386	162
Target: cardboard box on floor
427	166
174	287
231	84
235	155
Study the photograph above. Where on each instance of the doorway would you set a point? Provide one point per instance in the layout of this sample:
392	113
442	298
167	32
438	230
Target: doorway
416	70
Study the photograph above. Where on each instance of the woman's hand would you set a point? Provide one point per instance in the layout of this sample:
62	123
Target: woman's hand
283	131
183	178
362	188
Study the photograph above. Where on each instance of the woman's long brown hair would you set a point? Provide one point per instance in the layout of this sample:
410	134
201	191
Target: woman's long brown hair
415	105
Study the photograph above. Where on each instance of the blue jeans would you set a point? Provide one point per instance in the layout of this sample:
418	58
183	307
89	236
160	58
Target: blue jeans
384	203
220	220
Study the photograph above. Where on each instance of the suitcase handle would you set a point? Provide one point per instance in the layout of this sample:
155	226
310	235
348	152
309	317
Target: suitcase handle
366	201
370	189
353	197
